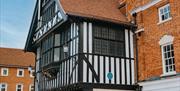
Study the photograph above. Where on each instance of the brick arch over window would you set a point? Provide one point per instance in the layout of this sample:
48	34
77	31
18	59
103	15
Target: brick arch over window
166	39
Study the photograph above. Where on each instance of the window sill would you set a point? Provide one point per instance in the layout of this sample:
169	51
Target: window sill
20	76
4	75
31	76
168	74
160	22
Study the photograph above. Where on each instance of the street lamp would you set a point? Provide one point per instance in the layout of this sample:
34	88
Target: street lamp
65	49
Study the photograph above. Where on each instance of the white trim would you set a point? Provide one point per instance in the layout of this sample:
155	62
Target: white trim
18	72
166	39
30	87
112	69
159	81
144	7
140	30
160	22
163	63
106	69
127	42
159	14
6	85
123	71
2	69
21	86
74	34
118	70
132	44
171	84
95	65
133	71
84	71
128	71
90	37
90	72
85	37
169	73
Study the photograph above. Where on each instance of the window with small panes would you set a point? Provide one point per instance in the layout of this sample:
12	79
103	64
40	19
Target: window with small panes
164	13
168	56
109	40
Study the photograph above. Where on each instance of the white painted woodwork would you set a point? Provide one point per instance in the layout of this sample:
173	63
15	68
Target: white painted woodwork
170	84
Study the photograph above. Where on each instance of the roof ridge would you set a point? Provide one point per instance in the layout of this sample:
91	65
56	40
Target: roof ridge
11	48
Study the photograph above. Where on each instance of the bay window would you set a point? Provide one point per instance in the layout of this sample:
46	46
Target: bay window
109	40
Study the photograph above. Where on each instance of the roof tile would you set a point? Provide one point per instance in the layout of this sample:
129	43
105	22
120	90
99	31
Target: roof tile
99	9
16	57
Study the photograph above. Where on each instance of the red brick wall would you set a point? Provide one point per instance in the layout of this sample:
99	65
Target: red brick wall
150	59
11	80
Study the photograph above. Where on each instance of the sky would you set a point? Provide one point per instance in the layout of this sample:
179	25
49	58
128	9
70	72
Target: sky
15	19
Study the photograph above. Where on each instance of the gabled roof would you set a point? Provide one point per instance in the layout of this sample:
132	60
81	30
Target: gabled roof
16	58
104	10
99	9
28	44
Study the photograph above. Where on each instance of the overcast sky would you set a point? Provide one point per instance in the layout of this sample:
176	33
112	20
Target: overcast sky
15	19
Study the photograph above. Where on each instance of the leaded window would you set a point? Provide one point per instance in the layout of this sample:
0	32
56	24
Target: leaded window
52	45
47	50
108	40
56	54
48	13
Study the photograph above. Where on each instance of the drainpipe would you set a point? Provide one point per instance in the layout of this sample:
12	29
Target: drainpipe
136	43
137	59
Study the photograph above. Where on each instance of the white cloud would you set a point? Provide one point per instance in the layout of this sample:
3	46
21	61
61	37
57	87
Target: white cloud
11	36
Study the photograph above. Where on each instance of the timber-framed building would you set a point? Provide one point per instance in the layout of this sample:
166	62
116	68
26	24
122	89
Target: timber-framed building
82	45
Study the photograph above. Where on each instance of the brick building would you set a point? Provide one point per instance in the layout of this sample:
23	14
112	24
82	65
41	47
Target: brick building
158	42
14	74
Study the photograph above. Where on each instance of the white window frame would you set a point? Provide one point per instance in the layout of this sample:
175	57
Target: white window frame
30	87
18	70
5	86
164	41
2	70
159	13
18	88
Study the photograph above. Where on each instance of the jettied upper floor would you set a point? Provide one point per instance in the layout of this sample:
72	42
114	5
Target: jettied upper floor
99	39
45	19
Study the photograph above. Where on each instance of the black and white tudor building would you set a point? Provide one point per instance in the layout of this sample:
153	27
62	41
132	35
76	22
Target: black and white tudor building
82	45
